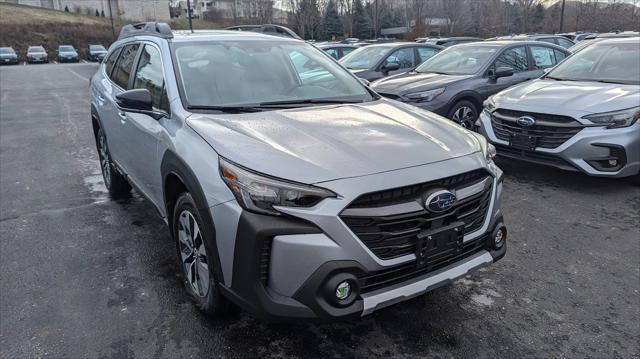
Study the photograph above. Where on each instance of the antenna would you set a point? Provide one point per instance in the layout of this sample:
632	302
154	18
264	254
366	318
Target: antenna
189	15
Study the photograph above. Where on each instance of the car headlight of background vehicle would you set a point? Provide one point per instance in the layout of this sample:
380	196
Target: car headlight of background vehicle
425	96
616	119
259	193
488	106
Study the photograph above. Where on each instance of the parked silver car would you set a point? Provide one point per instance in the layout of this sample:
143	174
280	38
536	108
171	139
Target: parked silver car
581	116
294	196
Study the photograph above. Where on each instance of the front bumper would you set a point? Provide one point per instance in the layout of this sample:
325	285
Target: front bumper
9	60
286	267
588	151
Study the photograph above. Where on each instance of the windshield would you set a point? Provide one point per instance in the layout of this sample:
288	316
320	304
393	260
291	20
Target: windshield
464	60
255	73
66	49
97	48
36	49
365	57
6	50
612	62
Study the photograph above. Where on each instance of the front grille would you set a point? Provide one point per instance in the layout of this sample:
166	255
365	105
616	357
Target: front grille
550	131
399	274
532	156
391	236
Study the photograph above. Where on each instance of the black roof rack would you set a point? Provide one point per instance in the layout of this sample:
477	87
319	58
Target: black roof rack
160	29
269	29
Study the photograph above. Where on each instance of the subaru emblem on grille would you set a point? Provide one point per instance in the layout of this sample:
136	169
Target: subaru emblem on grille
440	201
526	121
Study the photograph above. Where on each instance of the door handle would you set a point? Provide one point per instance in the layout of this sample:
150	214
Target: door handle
123	117
100	98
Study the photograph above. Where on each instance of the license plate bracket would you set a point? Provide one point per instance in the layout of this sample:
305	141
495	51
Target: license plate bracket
523	142
438	243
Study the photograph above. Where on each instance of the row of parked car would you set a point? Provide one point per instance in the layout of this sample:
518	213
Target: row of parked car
38	54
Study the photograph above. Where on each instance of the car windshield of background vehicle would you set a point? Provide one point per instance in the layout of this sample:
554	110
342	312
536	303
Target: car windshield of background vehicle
97	48
6	50
614	63
36	49
365	57
465	60
257	73
66	49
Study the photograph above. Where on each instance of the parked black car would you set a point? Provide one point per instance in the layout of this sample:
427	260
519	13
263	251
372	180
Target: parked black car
447	41
456	81
67	53
377	61
96	52
8	56
268	29
552	39
337	50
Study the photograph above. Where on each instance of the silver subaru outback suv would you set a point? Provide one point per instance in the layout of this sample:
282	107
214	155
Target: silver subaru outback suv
581	116
289	187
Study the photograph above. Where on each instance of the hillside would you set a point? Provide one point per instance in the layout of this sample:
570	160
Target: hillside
22	26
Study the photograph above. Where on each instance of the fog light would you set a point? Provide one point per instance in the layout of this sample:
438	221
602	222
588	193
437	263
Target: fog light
498	239
613	163
343	290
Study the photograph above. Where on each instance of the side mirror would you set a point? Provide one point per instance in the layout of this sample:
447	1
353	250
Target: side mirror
137	101
391	66
503	71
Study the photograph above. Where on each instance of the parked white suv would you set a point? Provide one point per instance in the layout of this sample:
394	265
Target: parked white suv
582	115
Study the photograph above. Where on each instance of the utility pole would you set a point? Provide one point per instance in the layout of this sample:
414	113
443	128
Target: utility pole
376	19
189	15
562	16
113	29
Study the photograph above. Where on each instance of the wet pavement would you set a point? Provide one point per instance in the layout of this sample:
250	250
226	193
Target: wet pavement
82	275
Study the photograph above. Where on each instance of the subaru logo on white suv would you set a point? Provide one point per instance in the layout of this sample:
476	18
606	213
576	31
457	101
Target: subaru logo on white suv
526	121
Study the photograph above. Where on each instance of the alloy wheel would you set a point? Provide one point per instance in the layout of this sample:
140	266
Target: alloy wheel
105	160
193	254
465	116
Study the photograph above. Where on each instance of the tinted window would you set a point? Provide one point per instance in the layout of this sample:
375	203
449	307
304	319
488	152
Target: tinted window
543	57
516	58
565	43
404	57
459	60
6	50
426	53
66	48
125	63
346	50
111	61
149	76
365	57
333	52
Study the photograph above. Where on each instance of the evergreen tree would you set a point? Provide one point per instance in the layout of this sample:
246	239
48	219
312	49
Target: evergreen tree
102	13
361	21
331	22
97	13
66	8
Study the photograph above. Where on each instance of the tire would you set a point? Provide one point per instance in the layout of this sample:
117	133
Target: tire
464	113
635	180
115	182
196	257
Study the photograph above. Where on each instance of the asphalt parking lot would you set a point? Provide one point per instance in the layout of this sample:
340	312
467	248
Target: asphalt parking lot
83	275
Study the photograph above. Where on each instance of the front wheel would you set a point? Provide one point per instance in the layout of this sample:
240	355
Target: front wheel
196	256
464	113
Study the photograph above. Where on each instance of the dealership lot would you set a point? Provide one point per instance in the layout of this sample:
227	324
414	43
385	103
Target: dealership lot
87	276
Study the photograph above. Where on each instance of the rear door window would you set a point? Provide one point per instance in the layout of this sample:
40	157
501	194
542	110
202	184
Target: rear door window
515	57
149	76
125	65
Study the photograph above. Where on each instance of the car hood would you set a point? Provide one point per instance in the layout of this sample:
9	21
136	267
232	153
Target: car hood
413	82
583	97
322	143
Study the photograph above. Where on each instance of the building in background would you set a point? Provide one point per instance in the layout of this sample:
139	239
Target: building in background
232	11
138	10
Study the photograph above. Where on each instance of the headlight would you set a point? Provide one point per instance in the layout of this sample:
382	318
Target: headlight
488	106
623	118
488	150
259	193
425	96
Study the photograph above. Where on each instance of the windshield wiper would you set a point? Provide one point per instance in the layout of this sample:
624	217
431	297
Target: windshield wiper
614	82
231	109
304	102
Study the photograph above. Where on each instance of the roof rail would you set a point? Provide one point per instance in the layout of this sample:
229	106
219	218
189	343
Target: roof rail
159	29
